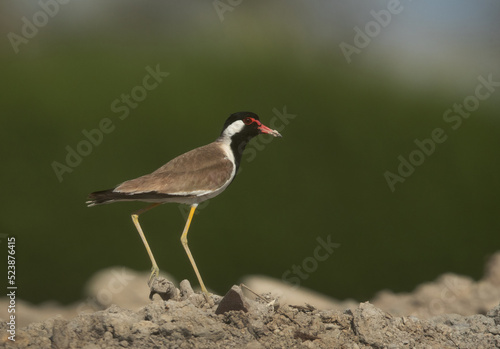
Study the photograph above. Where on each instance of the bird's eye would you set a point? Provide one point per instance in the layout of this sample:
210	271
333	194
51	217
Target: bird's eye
247	121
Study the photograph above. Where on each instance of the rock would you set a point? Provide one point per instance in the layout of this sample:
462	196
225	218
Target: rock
234	300
370	324
186	289
163	288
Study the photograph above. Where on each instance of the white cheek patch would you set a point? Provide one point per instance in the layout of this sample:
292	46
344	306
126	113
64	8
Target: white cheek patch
234	128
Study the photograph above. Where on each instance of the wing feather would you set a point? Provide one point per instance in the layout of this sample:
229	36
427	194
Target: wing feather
194	173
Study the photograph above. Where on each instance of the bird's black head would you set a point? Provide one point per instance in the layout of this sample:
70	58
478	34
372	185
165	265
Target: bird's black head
240	128
245	125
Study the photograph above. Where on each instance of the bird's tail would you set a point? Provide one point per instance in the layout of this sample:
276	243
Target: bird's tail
101	197
110	195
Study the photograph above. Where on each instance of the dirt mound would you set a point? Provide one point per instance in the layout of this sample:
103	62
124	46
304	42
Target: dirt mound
192	323
420	319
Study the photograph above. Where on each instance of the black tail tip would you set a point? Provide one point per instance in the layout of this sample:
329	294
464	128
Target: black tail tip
99	197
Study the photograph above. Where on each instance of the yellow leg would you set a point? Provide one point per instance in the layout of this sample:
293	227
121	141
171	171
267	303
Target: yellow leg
135	218
184	241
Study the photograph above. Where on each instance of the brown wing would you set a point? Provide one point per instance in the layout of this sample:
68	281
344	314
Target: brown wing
200	170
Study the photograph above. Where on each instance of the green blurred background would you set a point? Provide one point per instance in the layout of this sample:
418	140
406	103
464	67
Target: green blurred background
325	177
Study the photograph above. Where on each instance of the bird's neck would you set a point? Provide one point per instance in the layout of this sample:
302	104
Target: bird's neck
237	143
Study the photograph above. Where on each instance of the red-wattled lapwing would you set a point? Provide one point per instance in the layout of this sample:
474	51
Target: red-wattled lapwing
190	178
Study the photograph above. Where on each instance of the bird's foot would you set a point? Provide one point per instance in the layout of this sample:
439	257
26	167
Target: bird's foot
155	271
207	297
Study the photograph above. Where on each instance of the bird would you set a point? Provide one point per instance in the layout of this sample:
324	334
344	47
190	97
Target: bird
190	178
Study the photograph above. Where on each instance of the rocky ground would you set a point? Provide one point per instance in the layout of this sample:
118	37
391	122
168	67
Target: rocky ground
451	312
